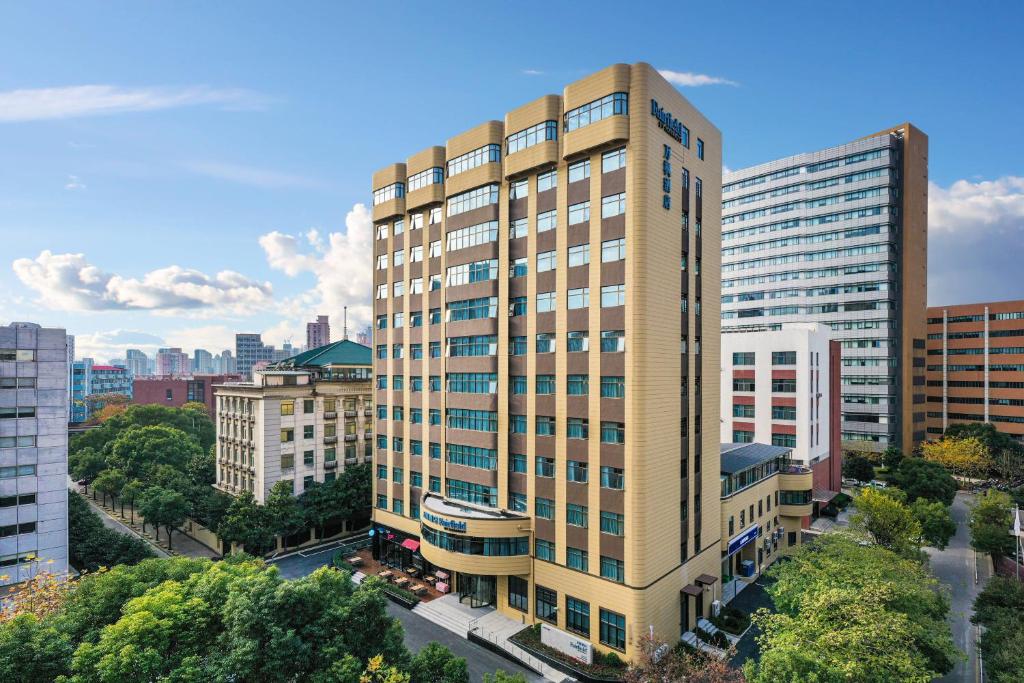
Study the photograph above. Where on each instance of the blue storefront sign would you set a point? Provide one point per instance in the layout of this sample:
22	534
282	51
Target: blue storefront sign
737	542
449	524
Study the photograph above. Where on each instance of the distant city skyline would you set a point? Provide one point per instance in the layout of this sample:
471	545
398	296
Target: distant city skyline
157	199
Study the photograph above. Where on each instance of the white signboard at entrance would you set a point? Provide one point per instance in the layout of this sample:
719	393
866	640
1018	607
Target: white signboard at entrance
577	648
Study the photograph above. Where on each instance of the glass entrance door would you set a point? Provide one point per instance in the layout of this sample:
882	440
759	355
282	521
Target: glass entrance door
476	590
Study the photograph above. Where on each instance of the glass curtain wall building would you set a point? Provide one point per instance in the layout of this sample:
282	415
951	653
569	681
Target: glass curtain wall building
839	236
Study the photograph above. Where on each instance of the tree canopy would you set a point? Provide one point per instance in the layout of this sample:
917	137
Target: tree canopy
852	612
991	519
966	457
186	619
920	478
856	466
1000	609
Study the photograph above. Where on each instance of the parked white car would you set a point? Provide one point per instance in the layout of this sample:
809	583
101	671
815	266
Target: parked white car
878	484
852	483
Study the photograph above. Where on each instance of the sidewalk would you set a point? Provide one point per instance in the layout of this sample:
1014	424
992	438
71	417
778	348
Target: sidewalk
181	543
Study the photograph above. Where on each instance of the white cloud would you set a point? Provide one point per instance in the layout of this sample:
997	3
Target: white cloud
532	72
976	241
691	80
74	183
94	100
340	262
69	282
251	175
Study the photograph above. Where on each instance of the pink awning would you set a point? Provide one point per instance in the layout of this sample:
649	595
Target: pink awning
411	544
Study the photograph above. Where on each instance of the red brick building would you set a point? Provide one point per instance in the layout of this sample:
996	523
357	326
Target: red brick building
177	391
975	367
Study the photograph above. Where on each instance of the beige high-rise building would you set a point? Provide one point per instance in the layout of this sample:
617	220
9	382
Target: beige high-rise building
547	361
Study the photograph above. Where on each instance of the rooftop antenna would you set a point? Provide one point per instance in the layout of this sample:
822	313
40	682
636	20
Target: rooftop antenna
344	324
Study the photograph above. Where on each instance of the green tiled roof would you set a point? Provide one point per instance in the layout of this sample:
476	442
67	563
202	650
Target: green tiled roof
342	352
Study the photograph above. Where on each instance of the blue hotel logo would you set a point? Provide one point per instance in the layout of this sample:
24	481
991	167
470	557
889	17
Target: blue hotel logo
450	524
667	122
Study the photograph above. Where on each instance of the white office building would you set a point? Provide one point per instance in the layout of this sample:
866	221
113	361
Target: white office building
33	451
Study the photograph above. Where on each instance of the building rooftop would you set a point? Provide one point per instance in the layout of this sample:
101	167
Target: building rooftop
737	457
344	352
113	368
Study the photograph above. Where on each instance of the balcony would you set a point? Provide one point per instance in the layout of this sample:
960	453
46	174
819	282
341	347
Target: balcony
351	437
351	461
350	413
331	465
330	414
330	439
368	412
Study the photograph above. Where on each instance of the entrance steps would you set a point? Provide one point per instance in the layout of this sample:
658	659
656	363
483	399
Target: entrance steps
487	624
448	613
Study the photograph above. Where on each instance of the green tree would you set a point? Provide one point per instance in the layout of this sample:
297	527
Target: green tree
284	510
319	506
501	676
201	469
138	450
892	457
92	545
33	650
920	478
852	612
161	507
991	519
87	464
856	466
131	492
1000	609
377	671
886	521
247	523
436	664
109	483
936	522
355	492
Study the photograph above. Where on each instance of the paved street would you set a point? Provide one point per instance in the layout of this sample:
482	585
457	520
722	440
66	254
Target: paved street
418	631
955	567
112	523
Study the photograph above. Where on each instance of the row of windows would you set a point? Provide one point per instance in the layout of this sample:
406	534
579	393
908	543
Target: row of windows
17	382
472	456
469	545
825	255
547	302
823	219
975	384
811	274
472	199
477	157
978	317
978	334
977	351
978	400
545	130
611	625
18	355
576	385
388	192
807	204
808	168
468	273
472	236
778	357
782	242
778	412
592	112
431	176
975	417
14	413
576	428
17	471
856	306
779	386
992	367
808	186
17	441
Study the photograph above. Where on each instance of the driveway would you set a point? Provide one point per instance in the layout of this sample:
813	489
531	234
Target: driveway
418	631
753	598
965	573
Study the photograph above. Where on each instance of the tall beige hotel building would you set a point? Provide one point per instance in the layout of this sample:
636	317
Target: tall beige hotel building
547	360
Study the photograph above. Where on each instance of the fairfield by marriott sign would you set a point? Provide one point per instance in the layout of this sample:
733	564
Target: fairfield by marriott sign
667	122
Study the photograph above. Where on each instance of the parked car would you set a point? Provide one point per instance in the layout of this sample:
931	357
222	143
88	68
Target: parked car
878	484
847	481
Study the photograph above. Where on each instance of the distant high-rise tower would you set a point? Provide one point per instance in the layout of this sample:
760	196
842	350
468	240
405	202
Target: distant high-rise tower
318	333
137	362
173	361
202	362
250	350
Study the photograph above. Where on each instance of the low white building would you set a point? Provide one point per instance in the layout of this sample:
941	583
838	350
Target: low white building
33	451
776	389
302	420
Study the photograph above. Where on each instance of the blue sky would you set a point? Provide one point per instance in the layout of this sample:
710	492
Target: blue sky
164	164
